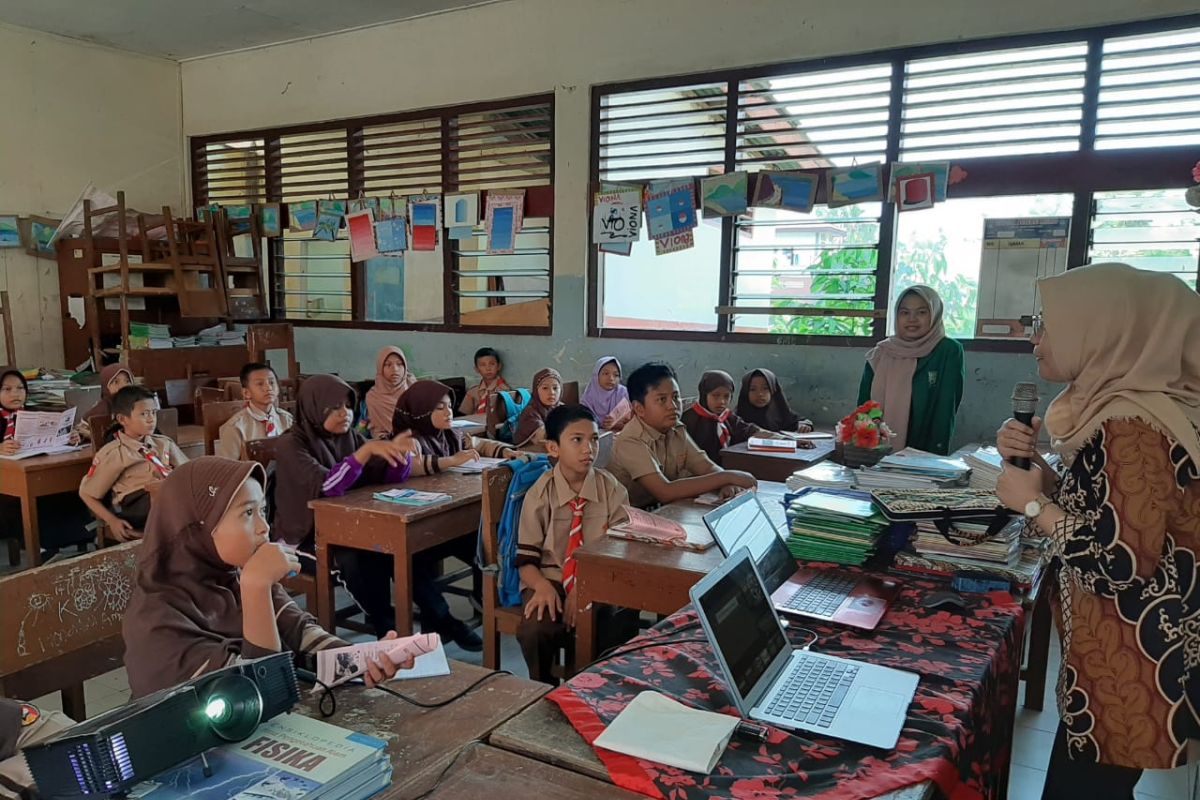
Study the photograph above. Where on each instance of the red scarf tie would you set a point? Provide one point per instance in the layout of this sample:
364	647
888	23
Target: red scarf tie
158	465
268	419
723	432
485	393
10	423
574	542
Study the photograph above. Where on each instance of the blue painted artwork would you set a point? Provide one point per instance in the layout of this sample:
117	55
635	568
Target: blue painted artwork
670	208
794	191
859	184
385	288
424	213
502	230
391	235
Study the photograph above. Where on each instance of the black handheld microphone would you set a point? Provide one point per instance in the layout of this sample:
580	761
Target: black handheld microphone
1024	400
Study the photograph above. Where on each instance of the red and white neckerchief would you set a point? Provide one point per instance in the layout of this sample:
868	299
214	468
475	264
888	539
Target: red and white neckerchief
722	419
160	465
485	393
10	423
270	419
574	542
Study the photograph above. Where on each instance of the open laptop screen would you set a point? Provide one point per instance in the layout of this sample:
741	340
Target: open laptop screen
743	625
743	522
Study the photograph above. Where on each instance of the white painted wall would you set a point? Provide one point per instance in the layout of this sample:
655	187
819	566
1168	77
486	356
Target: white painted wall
71	113
565	46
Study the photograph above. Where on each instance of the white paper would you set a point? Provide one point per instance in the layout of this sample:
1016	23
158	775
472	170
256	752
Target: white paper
616	217
477	466
42	430
338	665
656	728
463	422
77	310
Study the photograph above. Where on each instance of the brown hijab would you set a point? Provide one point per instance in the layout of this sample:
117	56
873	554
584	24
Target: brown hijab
185	611
777	416
414	413
1130	341
307	452
104	405
534	415
382	397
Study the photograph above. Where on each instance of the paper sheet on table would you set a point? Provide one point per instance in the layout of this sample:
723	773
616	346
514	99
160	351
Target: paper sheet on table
477	466
656	728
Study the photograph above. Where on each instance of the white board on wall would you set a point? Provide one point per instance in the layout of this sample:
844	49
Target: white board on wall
1017	252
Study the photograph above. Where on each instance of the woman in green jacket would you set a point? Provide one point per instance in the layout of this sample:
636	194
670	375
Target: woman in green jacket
917	375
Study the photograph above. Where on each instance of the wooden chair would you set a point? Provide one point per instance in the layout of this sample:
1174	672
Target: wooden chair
10	344
62	625
205	395
262	338
242	275
216	415
497	619
570	393
181	394
458	390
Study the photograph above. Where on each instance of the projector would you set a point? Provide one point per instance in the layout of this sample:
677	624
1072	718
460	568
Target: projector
109	754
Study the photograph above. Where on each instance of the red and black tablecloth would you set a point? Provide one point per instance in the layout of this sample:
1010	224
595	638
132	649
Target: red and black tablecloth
958	733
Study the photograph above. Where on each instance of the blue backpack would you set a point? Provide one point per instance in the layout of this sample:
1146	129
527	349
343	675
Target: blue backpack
512	410
525	474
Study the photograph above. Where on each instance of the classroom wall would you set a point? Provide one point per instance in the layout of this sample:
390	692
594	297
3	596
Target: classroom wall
74	113
533	46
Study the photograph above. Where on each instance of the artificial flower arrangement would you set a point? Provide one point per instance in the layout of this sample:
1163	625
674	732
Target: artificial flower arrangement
863	437
1192	195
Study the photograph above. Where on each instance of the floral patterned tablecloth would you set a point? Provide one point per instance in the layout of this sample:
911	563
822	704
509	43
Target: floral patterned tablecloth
958	733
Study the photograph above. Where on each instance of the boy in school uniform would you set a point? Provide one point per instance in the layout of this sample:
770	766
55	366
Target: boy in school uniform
260	419
569	505
653	456
488	365
127	466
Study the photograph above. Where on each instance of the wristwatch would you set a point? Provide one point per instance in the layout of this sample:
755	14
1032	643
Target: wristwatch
1034	508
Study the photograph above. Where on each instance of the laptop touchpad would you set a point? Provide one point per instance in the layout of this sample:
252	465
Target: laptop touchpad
878	704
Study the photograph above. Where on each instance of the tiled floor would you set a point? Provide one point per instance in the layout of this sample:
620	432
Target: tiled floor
1034	733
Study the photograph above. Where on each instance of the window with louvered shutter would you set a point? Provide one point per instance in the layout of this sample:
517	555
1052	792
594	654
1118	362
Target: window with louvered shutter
230	172
995	103
663	133
1152	230
1149	91
401	157
313	166
506	148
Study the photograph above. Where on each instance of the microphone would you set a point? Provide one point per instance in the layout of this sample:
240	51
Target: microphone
1024	400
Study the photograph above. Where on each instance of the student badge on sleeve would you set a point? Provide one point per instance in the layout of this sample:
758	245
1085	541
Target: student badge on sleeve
29	715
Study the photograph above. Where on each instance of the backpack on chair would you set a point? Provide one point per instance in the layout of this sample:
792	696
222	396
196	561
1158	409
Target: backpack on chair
512	412
525	474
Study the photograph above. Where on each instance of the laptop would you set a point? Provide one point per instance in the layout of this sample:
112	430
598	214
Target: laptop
796	689
846	598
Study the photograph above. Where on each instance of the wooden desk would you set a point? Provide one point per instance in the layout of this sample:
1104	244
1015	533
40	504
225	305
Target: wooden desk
774	466
31	478
648	577
191	440
478	424
489	773
359	521
423	743
541	732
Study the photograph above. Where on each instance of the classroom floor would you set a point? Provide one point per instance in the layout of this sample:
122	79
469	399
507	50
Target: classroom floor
1032	742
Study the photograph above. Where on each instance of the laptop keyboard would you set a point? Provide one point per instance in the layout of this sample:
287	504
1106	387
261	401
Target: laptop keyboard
822	595
813	691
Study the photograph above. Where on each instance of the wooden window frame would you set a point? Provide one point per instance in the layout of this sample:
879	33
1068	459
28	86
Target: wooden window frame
539	203
1079	173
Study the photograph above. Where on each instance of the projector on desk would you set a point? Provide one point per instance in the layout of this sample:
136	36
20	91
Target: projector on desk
109	754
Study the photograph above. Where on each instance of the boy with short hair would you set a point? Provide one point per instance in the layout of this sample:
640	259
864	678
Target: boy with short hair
260	419
569	505
653	456
488	365
127	466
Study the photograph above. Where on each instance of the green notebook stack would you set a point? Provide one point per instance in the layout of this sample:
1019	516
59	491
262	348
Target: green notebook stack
833	526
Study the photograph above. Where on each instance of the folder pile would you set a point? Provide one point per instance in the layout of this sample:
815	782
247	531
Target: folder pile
837	526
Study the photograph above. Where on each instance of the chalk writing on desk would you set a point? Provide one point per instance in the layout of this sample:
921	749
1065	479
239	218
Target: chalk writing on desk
82	599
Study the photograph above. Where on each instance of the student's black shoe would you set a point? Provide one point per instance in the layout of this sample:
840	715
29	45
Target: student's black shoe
458	632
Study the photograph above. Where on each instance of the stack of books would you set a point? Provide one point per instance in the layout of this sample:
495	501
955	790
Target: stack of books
217	336
826	474
915	469
290	756
184	341
838	526
411	497
985	464
149	336
969	545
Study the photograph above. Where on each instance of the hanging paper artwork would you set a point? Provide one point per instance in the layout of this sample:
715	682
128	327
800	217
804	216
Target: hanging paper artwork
724	195
205	212
505	215
617	248
794	191
10	230
364	204
462	214
391	235
239	212
361	225
392	206
302	216
329	219
424	213
616	216
39	236
846	186
684	240
914	192
270	219
941	177
670	208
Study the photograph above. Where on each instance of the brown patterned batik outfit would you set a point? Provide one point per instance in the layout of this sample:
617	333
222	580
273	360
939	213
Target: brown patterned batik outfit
1129	599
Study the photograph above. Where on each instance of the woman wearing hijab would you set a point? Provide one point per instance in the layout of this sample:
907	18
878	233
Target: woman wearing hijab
207	591
916	375
546	395
392	380
113	379
1124	521
322	456
606	397
711	422
762	402
427	411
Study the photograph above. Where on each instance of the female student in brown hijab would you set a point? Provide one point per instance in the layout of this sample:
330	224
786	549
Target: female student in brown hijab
113	379
1123	520
207	590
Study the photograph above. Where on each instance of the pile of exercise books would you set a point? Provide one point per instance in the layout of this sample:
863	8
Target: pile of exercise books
915	469
826	474
834	525
149	336
217	336
985	464
290	756
969	545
